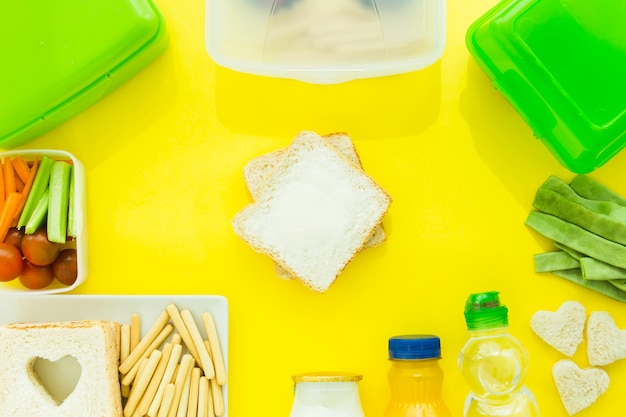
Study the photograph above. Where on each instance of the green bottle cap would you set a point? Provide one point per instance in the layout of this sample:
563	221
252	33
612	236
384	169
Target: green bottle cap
483	311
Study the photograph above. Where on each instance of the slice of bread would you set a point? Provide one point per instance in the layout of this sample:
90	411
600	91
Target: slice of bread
562	329
93	344
315	212
257	171
578	388
606	343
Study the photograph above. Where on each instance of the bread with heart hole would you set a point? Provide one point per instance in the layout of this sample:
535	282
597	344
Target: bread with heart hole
93	344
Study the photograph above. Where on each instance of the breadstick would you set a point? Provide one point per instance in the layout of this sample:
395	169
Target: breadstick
204	397
168	396
148	396
216	396
152	347
183	404
124	352
167	378
180	326
194	390
145	342
135	331
205	360
139	387
176	338
186	365
216	350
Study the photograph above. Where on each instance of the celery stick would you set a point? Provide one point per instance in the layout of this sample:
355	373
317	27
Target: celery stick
577	238
554	261
38	214
58	201
71	221
40	184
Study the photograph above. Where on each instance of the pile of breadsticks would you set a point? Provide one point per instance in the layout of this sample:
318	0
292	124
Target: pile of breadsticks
181	376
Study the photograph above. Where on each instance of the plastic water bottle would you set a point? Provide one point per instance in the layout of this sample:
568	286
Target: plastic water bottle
415	377
494	363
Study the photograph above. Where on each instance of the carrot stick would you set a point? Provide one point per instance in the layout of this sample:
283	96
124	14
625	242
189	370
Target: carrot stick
8	213
19	184
21	168
9	177
3	193
27	186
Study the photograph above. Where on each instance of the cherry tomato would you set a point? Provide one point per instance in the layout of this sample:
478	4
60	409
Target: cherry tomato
65	267
38	250
10	262
14	237
35	277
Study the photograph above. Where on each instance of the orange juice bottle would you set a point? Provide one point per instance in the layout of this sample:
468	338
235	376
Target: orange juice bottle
415	377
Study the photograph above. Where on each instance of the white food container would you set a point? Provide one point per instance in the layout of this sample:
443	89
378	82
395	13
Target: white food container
79	243
325	41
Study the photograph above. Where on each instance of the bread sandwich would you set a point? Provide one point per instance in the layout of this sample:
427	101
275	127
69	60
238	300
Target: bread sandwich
258	170
606	343
95	347
578	388
314	213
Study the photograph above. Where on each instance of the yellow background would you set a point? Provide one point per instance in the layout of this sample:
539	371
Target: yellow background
164	154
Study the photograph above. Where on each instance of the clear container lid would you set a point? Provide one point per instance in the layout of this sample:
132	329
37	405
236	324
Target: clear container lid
325	41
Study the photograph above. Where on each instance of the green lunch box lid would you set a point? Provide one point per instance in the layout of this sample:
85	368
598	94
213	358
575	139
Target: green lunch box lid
560	63
61	56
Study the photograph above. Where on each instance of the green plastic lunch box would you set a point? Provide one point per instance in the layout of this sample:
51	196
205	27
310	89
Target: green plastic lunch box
59	57
561	64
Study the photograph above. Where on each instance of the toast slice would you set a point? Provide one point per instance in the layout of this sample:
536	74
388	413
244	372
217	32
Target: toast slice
93	344
315	212
257	171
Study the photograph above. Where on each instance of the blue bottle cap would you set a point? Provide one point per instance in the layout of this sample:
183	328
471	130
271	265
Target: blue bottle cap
415	346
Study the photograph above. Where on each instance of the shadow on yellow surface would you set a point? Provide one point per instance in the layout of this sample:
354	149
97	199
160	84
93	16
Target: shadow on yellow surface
251	104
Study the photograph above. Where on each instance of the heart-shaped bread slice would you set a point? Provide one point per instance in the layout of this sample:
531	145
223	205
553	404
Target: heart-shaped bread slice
606	343
578	388
561	329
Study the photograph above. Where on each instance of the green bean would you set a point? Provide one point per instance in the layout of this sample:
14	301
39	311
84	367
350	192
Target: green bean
590	206
577	238
597	270
602	287
619	283
591	189
571	252
554	261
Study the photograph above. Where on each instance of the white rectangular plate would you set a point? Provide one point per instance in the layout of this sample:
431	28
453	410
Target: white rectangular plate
120	308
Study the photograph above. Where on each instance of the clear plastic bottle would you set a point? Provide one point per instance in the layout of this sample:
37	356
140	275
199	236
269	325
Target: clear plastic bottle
494	363
415	377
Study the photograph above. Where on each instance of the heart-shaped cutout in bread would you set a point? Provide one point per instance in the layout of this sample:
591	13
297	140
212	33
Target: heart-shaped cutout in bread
57	378
562	329
578	388
606	343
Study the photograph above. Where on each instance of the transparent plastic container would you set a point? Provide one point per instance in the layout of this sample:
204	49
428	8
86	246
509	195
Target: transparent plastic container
325	41
560	64
415	377
494	363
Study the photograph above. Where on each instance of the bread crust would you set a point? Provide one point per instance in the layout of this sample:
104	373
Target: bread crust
95	346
